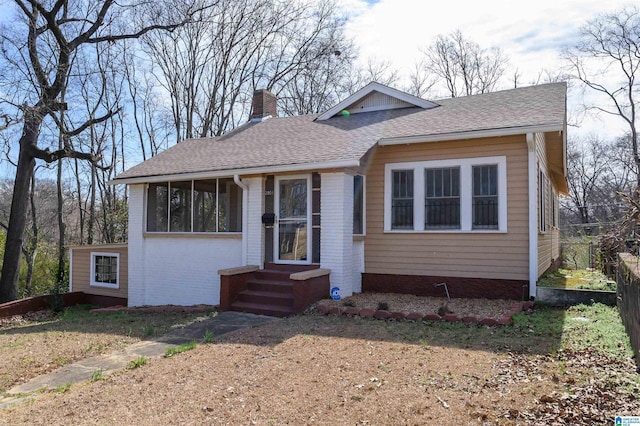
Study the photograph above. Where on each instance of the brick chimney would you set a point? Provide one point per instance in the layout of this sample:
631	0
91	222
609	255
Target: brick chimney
263	105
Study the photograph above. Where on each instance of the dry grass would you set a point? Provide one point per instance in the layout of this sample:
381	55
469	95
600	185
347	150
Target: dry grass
331	370
41	342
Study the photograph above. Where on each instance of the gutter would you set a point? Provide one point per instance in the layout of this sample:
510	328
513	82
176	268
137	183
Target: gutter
472	134
335	164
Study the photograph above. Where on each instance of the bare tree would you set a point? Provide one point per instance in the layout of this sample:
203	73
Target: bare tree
42	50
598	172
421	81
606	60
462	66
210	67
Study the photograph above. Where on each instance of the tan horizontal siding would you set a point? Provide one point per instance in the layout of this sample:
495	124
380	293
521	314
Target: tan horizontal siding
81	269
477	255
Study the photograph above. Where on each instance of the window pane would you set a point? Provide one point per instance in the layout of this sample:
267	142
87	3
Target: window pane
442	205
157	214
358	205
485	197
293	198
204	205
180	205
229	206
106	269
402	200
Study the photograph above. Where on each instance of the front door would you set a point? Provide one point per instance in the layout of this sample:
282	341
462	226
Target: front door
293	216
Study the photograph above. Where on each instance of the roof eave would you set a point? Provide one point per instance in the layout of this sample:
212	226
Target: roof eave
209	174
471	134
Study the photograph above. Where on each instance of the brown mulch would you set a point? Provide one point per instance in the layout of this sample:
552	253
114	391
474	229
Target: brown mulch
479	308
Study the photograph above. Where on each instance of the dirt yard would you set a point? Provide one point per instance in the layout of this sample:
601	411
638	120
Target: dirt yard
550	366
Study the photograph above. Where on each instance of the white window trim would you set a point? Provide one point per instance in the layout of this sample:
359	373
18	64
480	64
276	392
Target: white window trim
466	193
364	207
92	281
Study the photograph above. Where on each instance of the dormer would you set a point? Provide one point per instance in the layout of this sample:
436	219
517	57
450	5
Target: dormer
376	97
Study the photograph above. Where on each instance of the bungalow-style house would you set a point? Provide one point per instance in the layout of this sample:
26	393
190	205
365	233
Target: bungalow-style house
383	192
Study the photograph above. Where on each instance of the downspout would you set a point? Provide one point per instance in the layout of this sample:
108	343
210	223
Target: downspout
245	217
533	213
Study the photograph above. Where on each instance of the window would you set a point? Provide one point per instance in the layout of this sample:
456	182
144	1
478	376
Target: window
457	195
212	205
358	205
554	208
402	200
542	203
105	269
485	197
442	198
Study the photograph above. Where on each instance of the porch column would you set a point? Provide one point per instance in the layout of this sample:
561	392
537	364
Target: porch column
252	230
135	242
336	236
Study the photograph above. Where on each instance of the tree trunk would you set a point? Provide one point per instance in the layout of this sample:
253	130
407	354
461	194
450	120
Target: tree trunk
32	249
19	206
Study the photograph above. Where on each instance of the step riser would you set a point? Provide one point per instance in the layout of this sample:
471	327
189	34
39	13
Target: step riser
286	288
266	300
273	275
289	268
276	311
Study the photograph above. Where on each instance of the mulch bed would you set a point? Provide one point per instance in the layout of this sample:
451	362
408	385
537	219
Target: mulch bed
391	306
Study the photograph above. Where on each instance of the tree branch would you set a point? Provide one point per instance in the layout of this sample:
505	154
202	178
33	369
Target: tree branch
50	157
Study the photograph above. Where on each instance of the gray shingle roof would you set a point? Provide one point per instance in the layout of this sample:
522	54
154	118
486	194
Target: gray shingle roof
295	141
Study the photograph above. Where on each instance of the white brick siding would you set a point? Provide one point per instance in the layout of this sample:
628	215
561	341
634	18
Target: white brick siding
184	271
254	230
358	265
336	238
136	245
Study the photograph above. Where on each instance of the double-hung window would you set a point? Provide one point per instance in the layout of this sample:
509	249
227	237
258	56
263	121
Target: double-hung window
457	195
485	197
442	198
402	200
542	201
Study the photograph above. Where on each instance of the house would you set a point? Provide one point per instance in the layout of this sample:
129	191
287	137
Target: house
383	192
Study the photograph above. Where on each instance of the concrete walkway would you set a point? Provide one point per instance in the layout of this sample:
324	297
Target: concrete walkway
83	370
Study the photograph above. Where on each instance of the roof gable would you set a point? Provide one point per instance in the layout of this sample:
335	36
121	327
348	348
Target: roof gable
376	97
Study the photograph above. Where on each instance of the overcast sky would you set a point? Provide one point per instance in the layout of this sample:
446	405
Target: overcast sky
530	33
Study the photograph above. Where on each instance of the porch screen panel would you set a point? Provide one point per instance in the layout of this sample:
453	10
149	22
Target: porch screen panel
229	206
204	205
180	206
157	203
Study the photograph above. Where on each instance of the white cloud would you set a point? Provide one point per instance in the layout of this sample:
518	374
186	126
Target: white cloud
531	34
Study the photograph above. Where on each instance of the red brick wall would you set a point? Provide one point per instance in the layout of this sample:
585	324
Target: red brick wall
420	285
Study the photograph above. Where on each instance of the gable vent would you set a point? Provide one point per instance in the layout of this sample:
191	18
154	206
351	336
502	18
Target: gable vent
376	101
